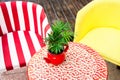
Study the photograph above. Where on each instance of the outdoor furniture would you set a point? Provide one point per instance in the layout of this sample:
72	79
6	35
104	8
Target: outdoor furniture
82	63
98	26
23	26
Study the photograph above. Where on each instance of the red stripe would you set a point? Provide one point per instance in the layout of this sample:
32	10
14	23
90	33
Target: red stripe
29	42
40	39
6	53
1	33
15	16
25	14
19	49
42	17
35	17
46	29
6	17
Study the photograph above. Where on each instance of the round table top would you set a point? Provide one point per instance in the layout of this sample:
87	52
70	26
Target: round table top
82	63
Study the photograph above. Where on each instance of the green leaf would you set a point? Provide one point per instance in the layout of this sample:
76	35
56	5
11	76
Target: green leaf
61	34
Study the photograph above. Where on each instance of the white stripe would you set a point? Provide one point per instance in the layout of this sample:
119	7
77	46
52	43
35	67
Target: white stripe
44	24
30	14
2	22
24	45
8	4
38	11
13	53
35	41
20	15
2	63
48	32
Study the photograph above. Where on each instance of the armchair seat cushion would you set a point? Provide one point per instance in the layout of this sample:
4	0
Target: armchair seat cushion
17	48
106	41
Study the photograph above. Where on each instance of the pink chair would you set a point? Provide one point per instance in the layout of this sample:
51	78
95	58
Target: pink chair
23	27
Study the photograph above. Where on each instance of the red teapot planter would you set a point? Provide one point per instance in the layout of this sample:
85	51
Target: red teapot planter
56	59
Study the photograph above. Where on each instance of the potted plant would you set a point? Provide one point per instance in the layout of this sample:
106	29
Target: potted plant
57	42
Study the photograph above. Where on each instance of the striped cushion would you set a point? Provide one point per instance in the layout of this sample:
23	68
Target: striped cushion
17	48
19	15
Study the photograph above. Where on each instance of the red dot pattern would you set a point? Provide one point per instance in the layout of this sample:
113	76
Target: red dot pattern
82	63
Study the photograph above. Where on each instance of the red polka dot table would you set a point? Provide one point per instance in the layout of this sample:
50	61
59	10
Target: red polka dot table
82	63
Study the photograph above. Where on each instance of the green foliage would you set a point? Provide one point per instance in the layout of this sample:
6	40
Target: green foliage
59	37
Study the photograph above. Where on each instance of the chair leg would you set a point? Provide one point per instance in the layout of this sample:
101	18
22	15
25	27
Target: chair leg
118	67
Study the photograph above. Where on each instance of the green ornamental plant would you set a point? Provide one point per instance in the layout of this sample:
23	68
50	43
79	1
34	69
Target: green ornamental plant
59	37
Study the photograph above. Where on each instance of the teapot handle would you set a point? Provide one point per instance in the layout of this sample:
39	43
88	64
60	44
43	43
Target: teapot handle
66	48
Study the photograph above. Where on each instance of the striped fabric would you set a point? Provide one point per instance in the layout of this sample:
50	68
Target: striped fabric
23	25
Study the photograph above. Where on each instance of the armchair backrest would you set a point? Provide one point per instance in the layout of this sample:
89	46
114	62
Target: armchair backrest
96	14
19	15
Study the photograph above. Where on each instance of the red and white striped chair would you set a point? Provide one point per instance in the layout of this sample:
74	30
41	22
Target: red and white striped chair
23	27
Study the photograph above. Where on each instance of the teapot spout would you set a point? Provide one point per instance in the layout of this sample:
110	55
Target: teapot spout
47	60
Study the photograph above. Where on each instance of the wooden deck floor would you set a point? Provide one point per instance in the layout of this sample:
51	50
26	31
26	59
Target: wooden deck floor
64	10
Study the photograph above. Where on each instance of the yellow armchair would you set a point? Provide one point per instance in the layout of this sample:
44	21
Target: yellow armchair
98	26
